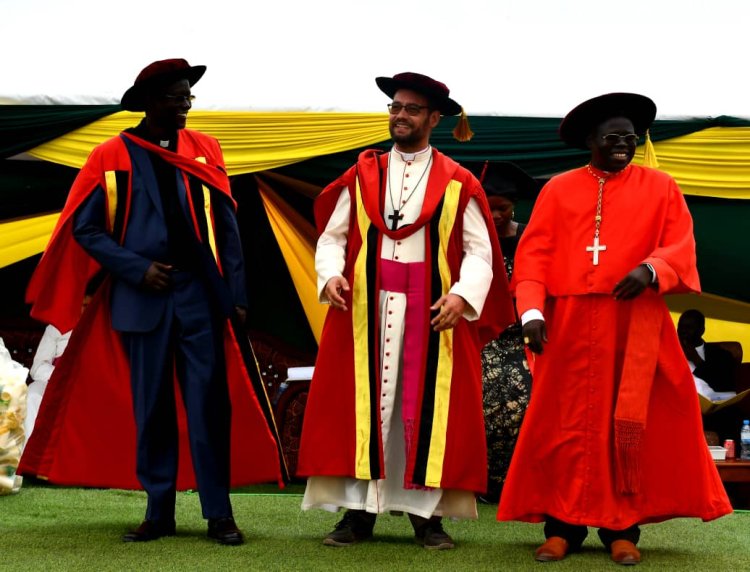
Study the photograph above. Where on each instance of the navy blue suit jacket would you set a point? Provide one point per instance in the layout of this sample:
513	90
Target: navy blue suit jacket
133	308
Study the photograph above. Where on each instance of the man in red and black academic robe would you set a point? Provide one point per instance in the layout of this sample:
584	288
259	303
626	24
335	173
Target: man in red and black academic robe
152	209
409	260
612	437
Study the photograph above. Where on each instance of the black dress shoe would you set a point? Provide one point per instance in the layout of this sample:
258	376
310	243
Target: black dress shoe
150	530
225	531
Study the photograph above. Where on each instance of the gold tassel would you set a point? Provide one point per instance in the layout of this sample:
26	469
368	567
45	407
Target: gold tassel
462	132
649	154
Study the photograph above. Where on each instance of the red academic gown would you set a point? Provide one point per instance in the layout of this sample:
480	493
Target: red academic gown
347	368
85	431
613	434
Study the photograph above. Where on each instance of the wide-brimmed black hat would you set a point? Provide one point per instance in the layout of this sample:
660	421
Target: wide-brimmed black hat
508	180
584	118
437	92
159	75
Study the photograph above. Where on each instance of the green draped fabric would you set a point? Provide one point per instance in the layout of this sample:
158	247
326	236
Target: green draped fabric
530	142
23	127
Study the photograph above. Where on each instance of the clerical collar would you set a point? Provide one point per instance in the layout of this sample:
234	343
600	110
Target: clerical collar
163	143
600	173
422	155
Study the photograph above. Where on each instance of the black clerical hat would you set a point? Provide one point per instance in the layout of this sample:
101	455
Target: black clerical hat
584	118
436	91
508	180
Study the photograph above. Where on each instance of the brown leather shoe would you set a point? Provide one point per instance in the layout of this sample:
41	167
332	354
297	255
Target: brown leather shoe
624	552
555	548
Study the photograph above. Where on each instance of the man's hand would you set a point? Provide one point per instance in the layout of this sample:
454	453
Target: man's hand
334	291
633	284
535	335
157	278
451	308
691	352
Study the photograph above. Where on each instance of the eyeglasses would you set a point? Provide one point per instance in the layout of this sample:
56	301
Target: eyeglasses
179	98
615	138
411	108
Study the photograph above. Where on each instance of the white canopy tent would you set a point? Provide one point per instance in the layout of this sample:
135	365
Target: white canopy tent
499	57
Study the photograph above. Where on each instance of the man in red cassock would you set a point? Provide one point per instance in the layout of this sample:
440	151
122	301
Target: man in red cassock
612	437
152	210
409	260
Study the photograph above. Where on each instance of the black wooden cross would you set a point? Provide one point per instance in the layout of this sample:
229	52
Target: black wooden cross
395	217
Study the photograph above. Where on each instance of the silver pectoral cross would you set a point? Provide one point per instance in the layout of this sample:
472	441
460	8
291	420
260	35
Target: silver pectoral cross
596	249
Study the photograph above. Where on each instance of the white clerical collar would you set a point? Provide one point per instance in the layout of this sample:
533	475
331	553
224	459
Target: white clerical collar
422	155
163	143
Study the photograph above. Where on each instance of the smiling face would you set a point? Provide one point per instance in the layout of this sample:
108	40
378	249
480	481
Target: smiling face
411	133
612	156
167	109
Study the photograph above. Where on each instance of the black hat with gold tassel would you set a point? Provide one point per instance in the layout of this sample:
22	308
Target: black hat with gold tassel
437	92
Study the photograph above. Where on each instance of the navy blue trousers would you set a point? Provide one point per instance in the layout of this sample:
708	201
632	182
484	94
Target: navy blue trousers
188	342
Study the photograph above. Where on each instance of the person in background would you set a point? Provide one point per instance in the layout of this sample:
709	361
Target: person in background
603	245
410	263
712	365
48	352
506	379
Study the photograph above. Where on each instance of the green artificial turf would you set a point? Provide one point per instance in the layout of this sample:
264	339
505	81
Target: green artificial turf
53	528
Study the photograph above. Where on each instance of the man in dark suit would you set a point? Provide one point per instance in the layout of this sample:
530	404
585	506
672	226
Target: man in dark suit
709	362
173	251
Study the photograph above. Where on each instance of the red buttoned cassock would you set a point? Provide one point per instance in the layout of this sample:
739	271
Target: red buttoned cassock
612	436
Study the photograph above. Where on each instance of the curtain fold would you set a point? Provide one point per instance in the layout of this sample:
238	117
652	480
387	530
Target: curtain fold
23	238
250	141
296	239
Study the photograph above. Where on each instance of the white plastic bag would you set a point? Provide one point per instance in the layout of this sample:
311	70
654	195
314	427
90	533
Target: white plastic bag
12	413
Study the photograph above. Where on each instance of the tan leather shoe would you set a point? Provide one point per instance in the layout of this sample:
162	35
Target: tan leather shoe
555	548
624	552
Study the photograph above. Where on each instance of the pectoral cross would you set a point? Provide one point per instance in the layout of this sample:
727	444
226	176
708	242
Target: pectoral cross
395	218
596	249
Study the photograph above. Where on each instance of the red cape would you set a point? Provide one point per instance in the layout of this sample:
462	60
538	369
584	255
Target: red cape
85	430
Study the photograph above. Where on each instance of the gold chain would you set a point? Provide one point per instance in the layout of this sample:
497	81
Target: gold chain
598	217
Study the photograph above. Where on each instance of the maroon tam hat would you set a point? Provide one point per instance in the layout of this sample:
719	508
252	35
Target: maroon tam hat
583	119
159	75
437	92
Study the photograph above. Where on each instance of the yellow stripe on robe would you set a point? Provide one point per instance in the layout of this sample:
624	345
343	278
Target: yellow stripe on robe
209	218
361	331
110	180
444	372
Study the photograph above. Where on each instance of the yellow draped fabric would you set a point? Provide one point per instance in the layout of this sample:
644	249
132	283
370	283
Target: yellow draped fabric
251	141
299	254
714	162
26	237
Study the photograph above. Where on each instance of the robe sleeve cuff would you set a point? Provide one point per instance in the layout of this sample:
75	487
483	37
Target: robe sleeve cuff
474	284
666	278
530	294
532	314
